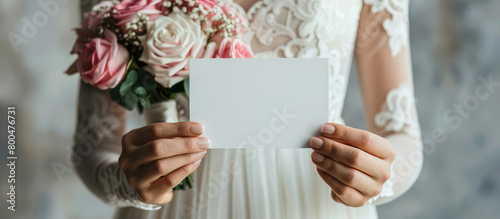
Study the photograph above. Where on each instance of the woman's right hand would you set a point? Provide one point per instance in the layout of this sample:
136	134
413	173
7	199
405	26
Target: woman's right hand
171	151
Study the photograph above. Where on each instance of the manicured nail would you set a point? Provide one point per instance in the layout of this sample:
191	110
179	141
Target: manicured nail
317	157
316	142
203	143
327	129
200	154
197	162
196	129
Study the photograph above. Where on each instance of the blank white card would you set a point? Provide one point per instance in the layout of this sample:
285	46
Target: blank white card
259	103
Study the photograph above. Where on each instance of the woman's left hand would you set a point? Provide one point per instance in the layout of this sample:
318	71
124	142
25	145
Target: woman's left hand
353	162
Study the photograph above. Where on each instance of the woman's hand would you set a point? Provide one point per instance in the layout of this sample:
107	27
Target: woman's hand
353	162
171	151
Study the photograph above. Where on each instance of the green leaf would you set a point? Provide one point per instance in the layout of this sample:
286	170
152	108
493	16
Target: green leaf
138	88
141	91
147	81
128	101
186	86
190	181
128	83
186	182
145	102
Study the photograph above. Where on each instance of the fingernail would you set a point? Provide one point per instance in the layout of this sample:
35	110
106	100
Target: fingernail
203	143
316	142
197	162
200	154
317	157
327	129
196	129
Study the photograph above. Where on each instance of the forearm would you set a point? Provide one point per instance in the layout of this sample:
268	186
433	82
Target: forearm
385	77
100	127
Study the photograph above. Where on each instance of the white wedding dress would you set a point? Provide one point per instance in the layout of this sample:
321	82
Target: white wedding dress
274	183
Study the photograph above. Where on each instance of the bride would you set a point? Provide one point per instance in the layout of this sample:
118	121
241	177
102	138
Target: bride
346	172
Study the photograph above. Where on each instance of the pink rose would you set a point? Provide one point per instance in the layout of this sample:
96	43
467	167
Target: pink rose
234	48
126	11
208	3
89	28
103	62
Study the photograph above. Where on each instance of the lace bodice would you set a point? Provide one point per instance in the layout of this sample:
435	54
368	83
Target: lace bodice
306	29
327	29
374	31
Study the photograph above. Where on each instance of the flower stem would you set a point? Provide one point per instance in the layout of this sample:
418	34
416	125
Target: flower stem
188	181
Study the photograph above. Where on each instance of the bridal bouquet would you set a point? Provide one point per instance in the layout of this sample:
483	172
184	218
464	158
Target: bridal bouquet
139	50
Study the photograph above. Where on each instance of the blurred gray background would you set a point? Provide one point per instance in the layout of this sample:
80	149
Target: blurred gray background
454	44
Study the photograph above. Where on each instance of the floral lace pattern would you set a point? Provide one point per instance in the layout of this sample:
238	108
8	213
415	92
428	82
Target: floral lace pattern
308	29
398	113
395	27
387	190
118	190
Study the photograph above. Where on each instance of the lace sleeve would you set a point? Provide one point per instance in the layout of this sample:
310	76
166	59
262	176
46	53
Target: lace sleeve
100	127
385	77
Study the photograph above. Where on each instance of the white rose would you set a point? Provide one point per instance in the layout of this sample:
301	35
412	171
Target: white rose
169	43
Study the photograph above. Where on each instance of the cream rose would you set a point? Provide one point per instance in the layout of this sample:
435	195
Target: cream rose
169	44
